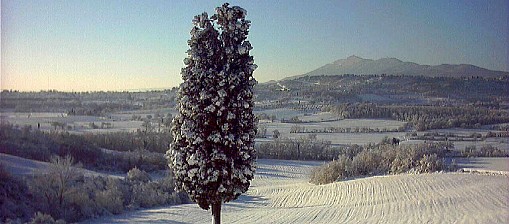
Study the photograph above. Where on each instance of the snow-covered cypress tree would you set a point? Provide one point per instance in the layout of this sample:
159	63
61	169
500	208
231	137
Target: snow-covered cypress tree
212	154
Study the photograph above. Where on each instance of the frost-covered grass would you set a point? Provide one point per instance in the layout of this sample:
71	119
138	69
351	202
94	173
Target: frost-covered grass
339	138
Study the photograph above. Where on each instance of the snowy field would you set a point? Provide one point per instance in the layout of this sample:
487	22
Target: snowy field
484	164
323	120
280	193
73	124
122	122
499	142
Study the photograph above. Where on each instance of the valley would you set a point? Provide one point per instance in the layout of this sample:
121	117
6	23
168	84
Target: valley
303	123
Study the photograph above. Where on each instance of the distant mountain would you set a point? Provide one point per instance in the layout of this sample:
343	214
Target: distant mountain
393	66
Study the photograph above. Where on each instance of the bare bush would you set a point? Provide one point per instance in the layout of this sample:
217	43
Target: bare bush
137	175
147	195
65	194
41	218
332	171
15	199
54	188
430	163
111	200
364	163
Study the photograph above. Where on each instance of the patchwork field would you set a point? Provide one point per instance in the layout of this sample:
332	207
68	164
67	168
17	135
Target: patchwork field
73	124
124	122
280	193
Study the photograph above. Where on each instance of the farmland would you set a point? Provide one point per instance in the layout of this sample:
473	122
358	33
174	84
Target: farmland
113	133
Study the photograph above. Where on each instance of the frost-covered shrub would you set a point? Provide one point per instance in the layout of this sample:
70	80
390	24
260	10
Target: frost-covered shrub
364	163
78	205
15	198
53	190
387	154
41	218
430	163
323	175
333	171
382	159
111	200
148	195
401	164
82	197
154	193
138	175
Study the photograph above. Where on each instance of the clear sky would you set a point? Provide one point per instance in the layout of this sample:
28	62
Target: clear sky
89	45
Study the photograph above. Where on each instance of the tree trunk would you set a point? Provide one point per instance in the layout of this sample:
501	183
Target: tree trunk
216	213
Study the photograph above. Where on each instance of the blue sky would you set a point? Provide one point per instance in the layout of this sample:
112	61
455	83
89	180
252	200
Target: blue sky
88	45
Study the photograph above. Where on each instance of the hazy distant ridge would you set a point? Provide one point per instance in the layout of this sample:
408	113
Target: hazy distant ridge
393	66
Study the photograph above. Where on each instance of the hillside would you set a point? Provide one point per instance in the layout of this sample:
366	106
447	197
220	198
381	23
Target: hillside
280	193
393	66
19	166
386	89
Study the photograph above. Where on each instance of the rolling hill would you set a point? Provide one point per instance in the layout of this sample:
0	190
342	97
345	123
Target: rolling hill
280	193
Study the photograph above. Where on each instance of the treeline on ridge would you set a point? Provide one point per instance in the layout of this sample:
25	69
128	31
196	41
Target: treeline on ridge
85	103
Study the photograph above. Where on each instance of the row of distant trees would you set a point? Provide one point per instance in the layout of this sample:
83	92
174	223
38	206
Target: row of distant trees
306	148
303	129
151	141
437	136
85	103
424	117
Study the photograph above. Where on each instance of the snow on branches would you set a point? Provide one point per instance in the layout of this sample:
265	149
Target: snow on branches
212	154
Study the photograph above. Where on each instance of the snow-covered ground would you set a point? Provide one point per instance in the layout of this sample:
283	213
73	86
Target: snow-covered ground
26	167
337	138
73	124
484	164
280	193
19	166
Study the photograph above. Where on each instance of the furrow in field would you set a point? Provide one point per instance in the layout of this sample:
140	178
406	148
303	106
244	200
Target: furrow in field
280	193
